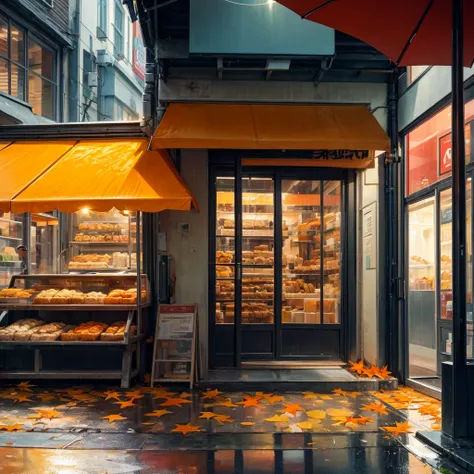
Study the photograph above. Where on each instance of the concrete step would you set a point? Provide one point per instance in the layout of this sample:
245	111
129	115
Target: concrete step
321	380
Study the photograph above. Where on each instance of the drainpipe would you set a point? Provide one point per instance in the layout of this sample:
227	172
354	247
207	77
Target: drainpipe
391	231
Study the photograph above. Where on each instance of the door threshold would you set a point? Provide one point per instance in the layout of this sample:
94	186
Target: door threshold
424	387
293	364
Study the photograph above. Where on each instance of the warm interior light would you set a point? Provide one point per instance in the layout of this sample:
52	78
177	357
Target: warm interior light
126	212
85	210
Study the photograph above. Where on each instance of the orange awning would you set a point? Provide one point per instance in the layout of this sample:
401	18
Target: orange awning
22	163
271	127
105	174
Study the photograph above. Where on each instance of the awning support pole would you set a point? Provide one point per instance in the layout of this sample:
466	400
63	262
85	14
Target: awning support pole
459	397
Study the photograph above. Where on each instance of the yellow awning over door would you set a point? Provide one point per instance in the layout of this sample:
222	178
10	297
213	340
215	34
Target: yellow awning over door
271	127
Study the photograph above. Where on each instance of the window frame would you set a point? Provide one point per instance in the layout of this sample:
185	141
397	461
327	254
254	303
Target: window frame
119	32
102	15
27	37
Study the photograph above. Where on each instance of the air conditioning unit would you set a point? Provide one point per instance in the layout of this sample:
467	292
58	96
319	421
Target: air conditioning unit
92	79
104	58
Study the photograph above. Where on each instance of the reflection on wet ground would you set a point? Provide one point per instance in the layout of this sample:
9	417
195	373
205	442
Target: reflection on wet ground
97	429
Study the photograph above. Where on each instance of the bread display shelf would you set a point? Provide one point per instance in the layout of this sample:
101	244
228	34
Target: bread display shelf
131	340
99	244
70	307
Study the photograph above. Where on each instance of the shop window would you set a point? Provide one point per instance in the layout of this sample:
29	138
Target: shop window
102	15
119	26
429	149
422	321
27	69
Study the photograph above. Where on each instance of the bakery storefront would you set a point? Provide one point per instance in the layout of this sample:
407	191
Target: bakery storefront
79	302
428	247
282	224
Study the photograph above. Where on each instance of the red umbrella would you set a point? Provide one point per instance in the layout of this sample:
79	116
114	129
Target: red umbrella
409	32
422	32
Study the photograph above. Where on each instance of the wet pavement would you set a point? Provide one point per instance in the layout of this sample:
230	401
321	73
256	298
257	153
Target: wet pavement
88	429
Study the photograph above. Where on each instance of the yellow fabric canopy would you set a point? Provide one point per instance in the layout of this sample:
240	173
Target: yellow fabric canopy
271	127
105	174
22	163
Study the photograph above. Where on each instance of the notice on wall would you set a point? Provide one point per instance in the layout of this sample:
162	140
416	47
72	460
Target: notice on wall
176	322
369	235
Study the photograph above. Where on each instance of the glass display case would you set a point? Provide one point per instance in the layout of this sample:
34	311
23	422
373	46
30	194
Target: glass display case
11	236
101	242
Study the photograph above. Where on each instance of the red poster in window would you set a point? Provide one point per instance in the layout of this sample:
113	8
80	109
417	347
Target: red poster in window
444	154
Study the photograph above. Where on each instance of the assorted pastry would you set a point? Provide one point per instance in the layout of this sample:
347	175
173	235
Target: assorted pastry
103	226
15	293
252	313
38	330
64	296
121	238
102	261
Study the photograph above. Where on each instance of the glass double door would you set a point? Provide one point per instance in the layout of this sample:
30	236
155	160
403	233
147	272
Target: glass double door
278	264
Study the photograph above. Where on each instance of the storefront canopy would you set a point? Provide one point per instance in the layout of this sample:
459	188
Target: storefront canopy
270	127
94	174
23	163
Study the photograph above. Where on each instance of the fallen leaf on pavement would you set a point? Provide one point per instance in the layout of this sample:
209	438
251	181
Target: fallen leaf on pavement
404	427
185	429
291	408
113	418
174	402
210	394
305	425
316	414
278	419
247	423
158	413
207	415
376	408
126	404
356	367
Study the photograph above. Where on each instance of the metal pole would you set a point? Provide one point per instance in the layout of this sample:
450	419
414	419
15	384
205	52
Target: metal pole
459	398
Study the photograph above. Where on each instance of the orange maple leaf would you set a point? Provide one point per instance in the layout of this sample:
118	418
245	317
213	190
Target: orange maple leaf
355	420
111	394
250	402
158	413
174	402
207	415
376	407
339	391
223	419
210	394
291	408
432	410
226	403
383	373
126	404
398	428
357	367
185	429
370	372
113	418
275	399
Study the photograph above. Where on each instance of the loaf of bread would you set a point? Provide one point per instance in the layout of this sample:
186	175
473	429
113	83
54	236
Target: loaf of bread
89	331
7	334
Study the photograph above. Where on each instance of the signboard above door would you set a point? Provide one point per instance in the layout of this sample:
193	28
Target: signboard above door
254	27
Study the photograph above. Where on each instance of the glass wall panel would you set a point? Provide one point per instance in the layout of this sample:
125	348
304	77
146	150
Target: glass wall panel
302	230
225	251
258	239
422	322
332	251
12	262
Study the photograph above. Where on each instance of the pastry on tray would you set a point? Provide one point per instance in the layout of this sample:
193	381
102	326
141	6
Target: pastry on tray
24	333
48	332
89	331
94	297
7	333
116	332
15	293
45	296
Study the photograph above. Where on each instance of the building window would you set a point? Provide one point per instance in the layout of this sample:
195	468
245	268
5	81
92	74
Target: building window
119	29
27	69
102	15
414	72
429	149
125	113
41	75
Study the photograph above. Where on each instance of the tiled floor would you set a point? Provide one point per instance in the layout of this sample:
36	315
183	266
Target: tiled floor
237	432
